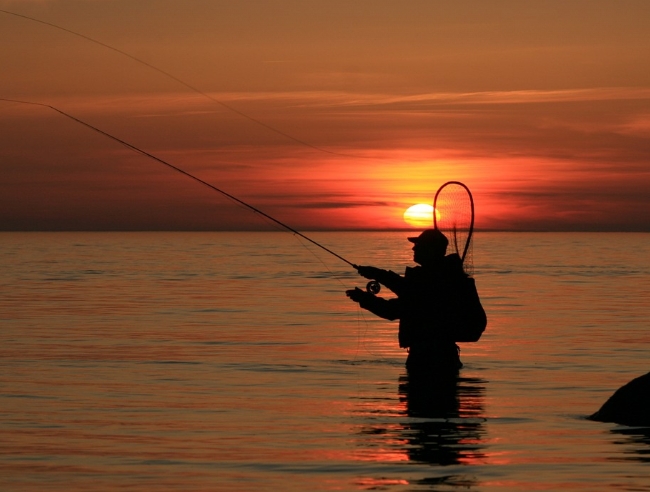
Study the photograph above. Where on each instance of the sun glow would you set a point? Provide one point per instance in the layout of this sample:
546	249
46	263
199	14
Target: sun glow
420	215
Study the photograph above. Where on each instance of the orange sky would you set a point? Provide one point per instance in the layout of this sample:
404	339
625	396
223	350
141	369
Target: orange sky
541	108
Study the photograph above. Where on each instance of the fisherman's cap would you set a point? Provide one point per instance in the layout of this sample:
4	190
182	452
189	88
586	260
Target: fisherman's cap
430	236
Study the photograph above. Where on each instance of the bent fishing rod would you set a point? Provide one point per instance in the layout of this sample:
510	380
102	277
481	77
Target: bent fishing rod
181	171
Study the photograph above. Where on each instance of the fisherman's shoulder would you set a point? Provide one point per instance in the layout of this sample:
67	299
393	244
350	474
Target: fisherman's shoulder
453	259
453	265
413	272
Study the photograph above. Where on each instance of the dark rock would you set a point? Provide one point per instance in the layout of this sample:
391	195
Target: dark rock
629	405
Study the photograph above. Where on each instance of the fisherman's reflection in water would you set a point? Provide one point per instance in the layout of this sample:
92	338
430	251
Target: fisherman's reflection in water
447	420
438	424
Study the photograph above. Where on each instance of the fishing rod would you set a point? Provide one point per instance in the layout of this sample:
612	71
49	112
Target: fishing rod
181	171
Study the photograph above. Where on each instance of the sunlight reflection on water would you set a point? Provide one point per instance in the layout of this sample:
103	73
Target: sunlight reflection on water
229	361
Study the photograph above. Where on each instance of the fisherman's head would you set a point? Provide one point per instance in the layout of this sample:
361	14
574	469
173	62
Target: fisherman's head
429	246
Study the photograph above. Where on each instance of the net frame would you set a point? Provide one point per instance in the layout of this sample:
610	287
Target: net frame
449	226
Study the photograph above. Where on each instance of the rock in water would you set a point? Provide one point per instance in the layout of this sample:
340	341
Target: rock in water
629	405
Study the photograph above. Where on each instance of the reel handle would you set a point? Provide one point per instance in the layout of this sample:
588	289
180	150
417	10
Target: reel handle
373	287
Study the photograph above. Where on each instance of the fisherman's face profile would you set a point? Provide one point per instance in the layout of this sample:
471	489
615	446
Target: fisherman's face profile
429	247
426	254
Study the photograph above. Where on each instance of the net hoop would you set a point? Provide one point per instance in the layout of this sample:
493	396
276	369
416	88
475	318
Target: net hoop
471	201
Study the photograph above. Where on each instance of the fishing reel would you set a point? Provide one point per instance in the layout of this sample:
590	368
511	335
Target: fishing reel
373	287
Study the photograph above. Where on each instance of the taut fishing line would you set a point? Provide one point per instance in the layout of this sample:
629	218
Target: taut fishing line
185	84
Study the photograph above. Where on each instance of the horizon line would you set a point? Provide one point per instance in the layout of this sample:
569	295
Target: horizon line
405	230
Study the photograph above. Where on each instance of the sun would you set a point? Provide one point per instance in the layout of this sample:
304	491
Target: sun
420	215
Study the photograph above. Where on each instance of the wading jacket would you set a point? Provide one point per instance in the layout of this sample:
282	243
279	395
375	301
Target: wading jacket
435	304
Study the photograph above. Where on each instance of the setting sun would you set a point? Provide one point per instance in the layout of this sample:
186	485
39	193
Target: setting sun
420	215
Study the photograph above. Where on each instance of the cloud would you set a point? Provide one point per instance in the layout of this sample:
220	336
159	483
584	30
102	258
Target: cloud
535	159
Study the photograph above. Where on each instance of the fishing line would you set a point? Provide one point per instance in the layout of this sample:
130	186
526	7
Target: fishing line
361	332
179	170
274	221
185	84
361	335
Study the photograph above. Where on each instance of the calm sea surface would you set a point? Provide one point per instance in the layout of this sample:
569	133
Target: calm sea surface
234	362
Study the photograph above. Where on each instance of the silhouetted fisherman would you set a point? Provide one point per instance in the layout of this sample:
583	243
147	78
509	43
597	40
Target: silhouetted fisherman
437	305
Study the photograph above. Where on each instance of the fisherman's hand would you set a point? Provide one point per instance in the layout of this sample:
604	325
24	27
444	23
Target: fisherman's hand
369	272
356	294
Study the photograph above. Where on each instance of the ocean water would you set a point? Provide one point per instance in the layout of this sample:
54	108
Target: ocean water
235	362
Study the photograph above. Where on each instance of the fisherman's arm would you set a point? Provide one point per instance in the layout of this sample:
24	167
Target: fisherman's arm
384	308
393	281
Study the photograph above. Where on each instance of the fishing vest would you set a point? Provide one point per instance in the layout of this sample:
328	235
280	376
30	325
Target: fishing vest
438	305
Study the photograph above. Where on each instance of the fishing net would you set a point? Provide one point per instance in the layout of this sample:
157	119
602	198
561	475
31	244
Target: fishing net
454	217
